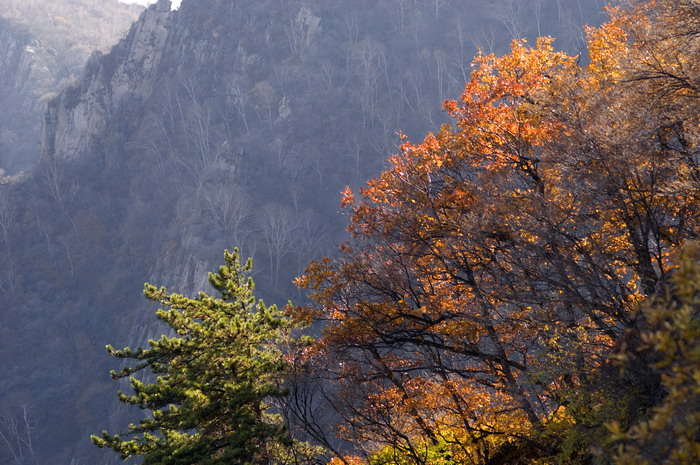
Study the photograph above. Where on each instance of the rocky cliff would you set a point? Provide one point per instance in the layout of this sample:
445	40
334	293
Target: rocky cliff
80	114
217	125
23	68
43	47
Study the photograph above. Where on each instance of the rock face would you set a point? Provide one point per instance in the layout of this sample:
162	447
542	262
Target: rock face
217	125
80	114
40	52
24	65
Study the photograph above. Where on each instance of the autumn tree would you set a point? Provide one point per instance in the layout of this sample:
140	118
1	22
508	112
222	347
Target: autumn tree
419	317
496	266
214	379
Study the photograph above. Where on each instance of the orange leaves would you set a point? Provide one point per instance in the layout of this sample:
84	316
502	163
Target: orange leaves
417	305
498	112
500	125
348	198
495	263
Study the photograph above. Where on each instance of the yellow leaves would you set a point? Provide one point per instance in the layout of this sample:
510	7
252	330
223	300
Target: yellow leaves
348	460
459	331
608	49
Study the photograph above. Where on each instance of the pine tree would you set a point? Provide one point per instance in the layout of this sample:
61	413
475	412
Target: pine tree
208	403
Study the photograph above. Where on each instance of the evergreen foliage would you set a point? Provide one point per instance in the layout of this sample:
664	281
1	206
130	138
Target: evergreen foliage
208	403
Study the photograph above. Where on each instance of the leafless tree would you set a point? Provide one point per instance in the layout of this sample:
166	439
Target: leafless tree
43	228
69	256
440	59
53	172
265	97
324	76
315	159
16	430
423	104
355	153
368	62
163	146
53	175
312	237
279	228
462	59
388	119
537	9
199	130
403	92
300	30
402	6
510	14
437	4
282	152
295	36
307	408
486	41
352	30
7	216
295	192
230	210
239	98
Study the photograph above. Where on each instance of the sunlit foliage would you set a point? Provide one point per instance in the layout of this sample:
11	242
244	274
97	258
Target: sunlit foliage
496	266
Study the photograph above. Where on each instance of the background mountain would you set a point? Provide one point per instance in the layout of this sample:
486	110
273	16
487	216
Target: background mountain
219	124
43	47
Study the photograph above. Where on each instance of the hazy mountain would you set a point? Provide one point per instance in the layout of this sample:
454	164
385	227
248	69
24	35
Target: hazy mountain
43	47
219	124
